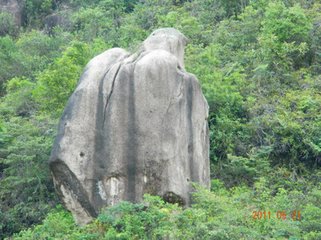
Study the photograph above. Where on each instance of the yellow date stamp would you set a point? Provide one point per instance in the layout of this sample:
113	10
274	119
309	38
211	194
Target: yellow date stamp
295	215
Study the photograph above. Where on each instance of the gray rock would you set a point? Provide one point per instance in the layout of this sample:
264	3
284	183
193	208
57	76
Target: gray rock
135	124
59	19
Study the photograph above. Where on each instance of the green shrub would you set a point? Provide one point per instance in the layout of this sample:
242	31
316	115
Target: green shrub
7	24
56	83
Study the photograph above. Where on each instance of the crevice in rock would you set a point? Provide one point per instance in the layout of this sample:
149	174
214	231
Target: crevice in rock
64	176
111	91
171	197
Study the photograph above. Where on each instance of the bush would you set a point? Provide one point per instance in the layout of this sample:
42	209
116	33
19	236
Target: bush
56	83
7	24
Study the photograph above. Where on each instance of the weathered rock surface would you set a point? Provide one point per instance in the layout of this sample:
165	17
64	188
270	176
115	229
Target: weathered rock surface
135	124
59	19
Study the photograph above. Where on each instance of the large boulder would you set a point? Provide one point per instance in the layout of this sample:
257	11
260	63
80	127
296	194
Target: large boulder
135	124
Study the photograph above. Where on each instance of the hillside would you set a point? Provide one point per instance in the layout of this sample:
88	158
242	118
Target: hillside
259	64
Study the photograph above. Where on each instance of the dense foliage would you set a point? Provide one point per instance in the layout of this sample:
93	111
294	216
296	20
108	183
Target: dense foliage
219	214
259	64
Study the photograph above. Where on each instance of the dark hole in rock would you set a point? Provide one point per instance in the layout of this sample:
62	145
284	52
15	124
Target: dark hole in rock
171	197
81	154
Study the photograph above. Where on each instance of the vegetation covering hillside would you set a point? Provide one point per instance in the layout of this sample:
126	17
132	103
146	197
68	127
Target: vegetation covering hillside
259	64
